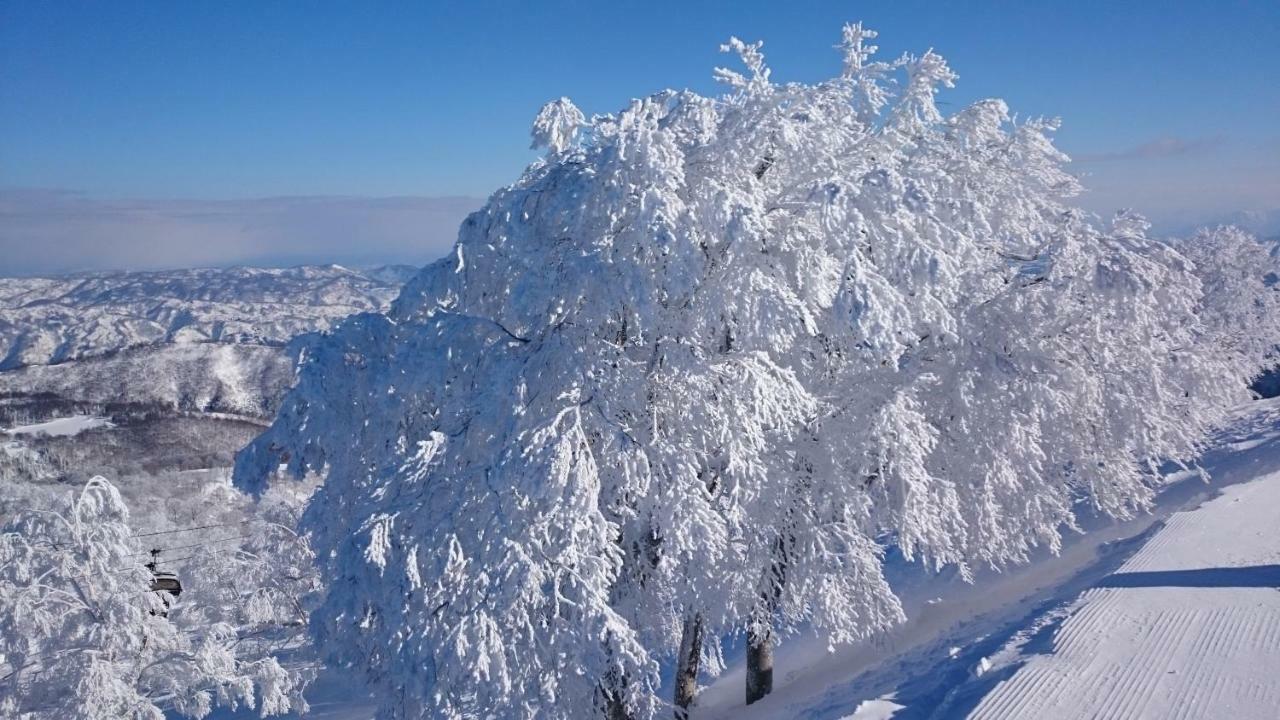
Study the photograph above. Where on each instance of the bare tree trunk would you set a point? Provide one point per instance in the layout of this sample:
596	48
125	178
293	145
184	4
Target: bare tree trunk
760	630
759	661
688	664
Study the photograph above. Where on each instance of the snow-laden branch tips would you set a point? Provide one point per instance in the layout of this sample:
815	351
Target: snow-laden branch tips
752	58
556	126
766	336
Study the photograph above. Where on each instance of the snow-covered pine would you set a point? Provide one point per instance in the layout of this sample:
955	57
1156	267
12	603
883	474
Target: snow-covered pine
82	635
694	370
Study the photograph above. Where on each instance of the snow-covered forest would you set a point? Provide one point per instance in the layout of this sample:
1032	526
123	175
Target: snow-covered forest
717	376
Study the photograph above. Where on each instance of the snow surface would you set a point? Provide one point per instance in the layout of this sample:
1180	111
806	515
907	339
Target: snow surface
880	709
1189	627
62	427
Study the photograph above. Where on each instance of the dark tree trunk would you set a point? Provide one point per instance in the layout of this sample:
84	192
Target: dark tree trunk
760	630
759	661
613	689
616	710
689	662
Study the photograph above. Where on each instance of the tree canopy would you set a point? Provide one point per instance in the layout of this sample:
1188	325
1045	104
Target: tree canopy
710	356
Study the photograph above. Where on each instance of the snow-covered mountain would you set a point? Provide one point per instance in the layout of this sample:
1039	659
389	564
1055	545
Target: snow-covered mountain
190	340
44	321
1263	223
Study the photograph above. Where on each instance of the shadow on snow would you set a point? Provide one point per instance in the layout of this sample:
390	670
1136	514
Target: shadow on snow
1253	576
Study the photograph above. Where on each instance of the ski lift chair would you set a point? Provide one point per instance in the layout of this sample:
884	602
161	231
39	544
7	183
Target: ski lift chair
164	584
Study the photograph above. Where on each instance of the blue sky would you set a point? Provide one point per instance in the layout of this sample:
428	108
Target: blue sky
1170	107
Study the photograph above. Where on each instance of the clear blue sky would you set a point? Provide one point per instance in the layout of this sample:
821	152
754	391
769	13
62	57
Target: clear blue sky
1166	103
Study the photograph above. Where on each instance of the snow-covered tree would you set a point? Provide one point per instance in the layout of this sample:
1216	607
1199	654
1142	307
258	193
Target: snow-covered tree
1240	305
83	635
262	587
694	370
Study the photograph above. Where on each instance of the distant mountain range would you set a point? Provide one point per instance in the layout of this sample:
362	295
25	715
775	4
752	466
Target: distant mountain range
206	340
1264	224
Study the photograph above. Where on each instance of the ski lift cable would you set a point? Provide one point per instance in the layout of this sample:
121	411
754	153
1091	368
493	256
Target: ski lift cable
198	527
191	545
200	555
114	571
211	542
209	553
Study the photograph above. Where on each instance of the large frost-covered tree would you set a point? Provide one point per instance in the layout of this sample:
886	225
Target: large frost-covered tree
697	367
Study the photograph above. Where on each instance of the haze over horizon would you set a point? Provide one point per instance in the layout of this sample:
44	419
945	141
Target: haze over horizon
144	135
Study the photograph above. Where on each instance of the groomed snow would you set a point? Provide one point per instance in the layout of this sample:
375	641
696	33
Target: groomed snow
62	427
1189	627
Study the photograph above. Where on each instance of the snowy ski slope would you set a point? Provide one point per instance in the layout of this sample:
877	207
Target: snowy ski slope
65	426
1187	628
